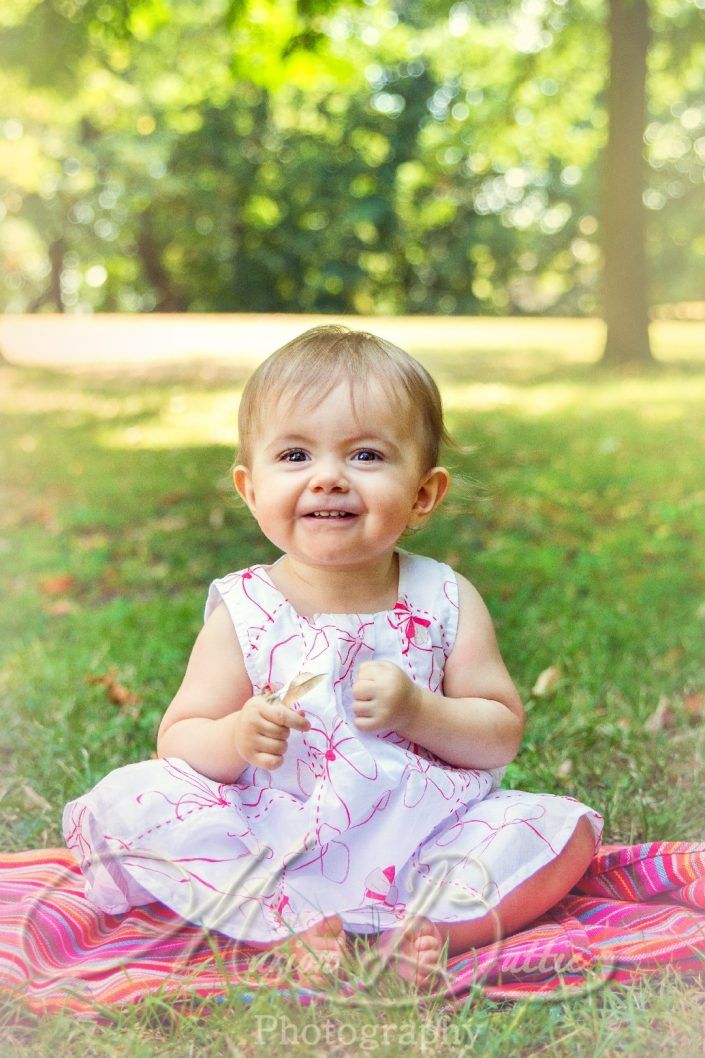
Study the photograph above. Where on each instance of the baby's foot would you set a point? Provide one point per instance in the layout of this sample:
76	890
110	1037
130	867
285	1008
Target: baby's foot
316	953
414	951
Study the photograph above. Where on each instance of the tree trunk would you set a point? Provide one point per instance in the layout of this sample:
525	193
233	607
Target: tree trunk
168	299
56	252
626	307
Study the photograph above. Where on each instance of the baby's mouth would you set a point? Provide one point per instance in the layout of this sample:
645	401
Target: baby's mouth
330	514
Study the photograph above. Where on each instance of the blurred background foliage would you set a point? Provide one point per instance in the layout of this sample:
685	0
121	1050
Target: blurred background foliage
385	156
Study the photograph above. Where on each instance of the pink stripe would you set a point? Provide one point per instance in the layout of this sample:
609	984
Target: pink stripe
61	954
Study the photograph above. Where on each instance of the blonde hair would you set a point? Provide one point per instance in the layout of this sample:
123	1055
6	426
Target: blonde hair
312	364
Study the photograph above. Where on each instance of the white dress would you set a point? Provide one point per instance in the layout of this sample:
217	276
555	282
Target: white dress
364	825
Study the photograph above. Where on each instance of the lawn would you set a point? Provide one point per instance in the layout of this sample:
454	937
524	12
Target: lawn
578	510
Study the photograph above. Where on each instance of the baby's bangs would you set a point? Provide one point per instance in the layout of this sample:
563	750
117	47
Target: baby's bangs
313	378
301	378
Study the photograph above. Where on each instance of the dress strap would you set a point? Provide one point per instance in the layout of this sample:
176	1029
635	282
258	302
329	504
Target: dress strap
430	591
253	604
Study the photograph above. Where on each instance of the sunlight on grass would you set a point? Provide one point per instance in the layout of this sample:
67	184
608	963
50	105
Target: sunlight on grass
186	420
661	398
192	419
678	341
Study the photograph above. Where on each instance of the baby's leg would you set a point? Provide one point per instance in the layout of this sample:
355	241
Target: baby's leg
530	899
414	949
315	953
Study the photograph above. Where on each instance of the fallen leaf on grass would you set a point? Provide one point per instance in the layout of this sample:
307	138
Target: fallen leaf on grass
546	682
35	798
61	608
170	523
57	585
117	693
46	516
564	769
694	705
170	498
661	718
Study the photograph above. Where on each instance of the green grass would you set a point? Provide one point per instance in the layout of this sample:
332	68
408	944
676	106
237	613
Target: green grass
579	513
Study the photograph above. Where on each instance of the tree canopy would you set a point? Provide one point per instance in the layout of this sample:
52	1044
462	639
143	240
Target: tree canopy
376	157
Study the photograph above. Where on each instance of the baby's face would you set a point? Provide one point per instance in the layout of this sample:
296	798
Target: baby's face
331	486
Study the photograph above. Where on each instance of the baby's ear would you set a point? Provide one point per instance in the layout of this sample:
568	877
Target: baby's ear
242	480
432	488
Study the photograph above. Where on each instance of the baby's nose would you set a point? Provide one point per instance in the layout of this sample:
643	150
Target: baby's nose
329	477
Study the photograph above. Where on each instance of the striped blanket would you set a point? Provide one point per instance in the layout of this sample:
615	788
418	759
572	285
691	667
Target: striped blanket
637	910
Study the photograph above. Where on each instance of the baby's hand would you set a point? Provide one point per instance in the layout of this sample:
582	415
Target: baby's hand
384	697
262	730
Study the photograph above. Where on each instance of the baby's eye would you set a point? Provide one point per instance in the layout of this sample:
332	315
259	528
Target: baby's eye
293	455
367	455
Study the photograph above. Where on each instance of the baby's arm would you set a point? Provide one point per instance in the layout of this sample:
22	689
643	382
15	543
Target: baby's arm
478	721
214	723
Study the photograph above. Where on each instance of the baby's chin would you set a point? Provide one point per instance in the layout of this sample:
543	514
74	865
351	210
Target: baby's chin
337	559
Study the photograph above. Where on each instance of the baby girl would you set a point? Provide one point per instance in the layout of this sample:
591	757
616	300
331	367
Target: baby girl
332	761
